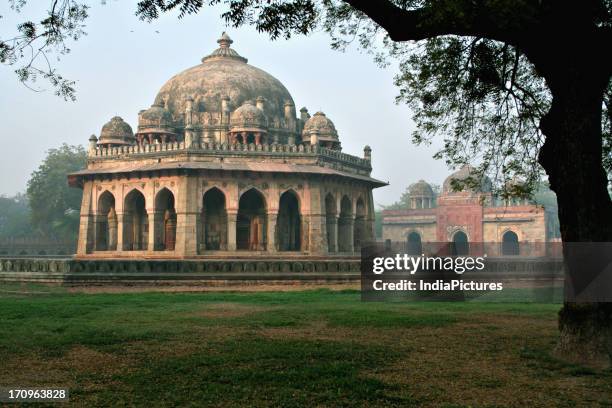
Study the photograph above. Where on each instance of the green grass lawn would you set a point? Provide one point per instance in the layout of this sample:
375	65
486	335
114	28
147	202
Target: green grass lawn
289	349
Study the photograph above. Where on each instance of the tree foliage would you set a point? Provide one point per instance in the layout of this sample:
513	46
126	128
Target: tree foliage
15	217
404	201
54	205
31	50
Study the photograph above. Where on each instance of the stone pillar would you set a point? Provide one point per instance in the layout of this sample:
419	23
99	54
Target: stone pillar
189	142
154	230
351	233
370	218
225	110
186	207
112	230
93	145
332	226
86	224
271	233
120	232
232	218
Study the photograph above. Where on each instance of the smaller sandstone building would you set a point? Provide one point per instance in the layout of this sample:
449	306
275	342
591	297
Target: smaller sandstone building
474	215
221	165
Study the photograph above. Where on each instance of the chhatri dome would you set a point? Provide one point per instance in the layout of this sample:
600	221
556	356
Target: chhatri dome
324	128
116	132
463	174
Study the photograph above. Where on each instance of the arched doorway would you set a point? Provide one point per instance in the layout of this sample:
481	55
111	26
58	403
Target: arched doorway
251	222
288	225
345	225
414	246
165	221
214	219
359	232
460	245
106	223
135	222
331	223
510	243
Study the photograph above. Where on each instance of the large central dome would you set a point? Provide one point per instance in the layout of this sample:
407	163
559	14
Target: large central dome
223	74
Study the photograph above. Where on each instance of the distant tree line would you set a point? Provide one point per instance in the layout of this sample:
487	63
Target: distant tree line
50	208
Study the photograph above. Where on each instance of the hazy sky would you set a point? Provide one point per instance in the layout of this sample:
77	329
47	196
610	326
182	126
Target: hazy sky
122	62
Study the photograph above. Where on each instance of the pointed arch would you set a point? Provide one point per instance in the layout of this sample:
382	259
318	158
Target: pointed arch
414	246
214	219
289	222
359	233
510	243
345	225
252	220
106	223
135	221
460	244
331	223
164	221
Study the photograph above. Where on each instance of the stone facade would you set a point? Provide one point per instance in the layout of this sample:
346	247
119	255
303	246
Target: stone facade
221	166
473	215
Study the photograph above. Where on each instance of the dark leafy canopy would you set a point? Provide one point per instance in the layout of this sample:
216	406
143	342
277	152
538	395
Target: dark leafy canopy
54	205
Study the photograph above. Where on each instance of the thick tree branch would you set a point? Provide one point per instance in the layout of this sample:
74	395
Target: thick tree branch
445	17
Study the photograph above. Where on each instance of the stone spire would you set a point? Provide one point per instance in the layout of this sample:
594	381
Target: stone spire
224	50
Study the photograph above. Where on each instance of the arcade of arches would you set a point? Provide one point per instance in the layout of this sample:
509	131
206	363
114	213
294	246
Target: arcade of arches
460	245
143	220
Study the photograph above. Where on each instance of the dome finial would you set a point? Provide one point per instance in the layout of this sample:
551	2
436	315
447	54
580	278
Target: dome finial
224	50
225	41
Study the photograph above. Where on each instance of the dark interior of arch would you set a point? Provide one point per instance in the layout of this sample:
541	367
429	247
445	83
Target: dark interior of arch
288	223
252	222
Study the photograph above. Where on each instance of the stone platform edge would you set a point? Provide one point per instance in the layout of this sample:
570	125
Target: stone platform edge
212	272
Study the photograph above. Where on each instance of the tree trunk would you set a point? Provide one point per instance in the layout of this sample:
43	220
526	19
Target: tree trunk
572	158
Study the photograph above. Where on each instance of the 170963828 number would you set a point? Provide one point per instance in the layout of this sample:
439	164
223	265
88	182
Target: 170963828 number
26	394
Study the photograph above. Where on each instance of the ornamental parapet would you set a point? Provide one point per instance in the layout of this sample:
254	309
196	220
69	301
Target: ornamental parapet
222	149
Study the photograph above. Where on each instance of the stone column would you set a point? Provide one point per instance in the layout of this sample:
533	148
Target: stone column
120	232
186	207
332	226
271	232
350	226
154	229
232	217
86	224
370	219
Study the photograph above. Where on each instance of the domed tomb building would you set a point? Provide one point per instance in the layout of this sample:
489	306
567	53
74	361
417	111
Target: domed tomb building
466	211
221	163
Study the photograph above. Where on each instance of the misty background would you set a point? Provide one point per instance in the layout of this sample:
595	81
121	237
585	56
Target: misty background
122	63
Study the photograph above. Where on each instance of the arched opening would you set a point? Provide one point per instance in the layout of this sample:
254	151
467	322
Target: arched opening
288	225
460	245
135	222
250	138
214	219
510	243
106	223
331	223
414	246
360	225
165	221
345	225
251	222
